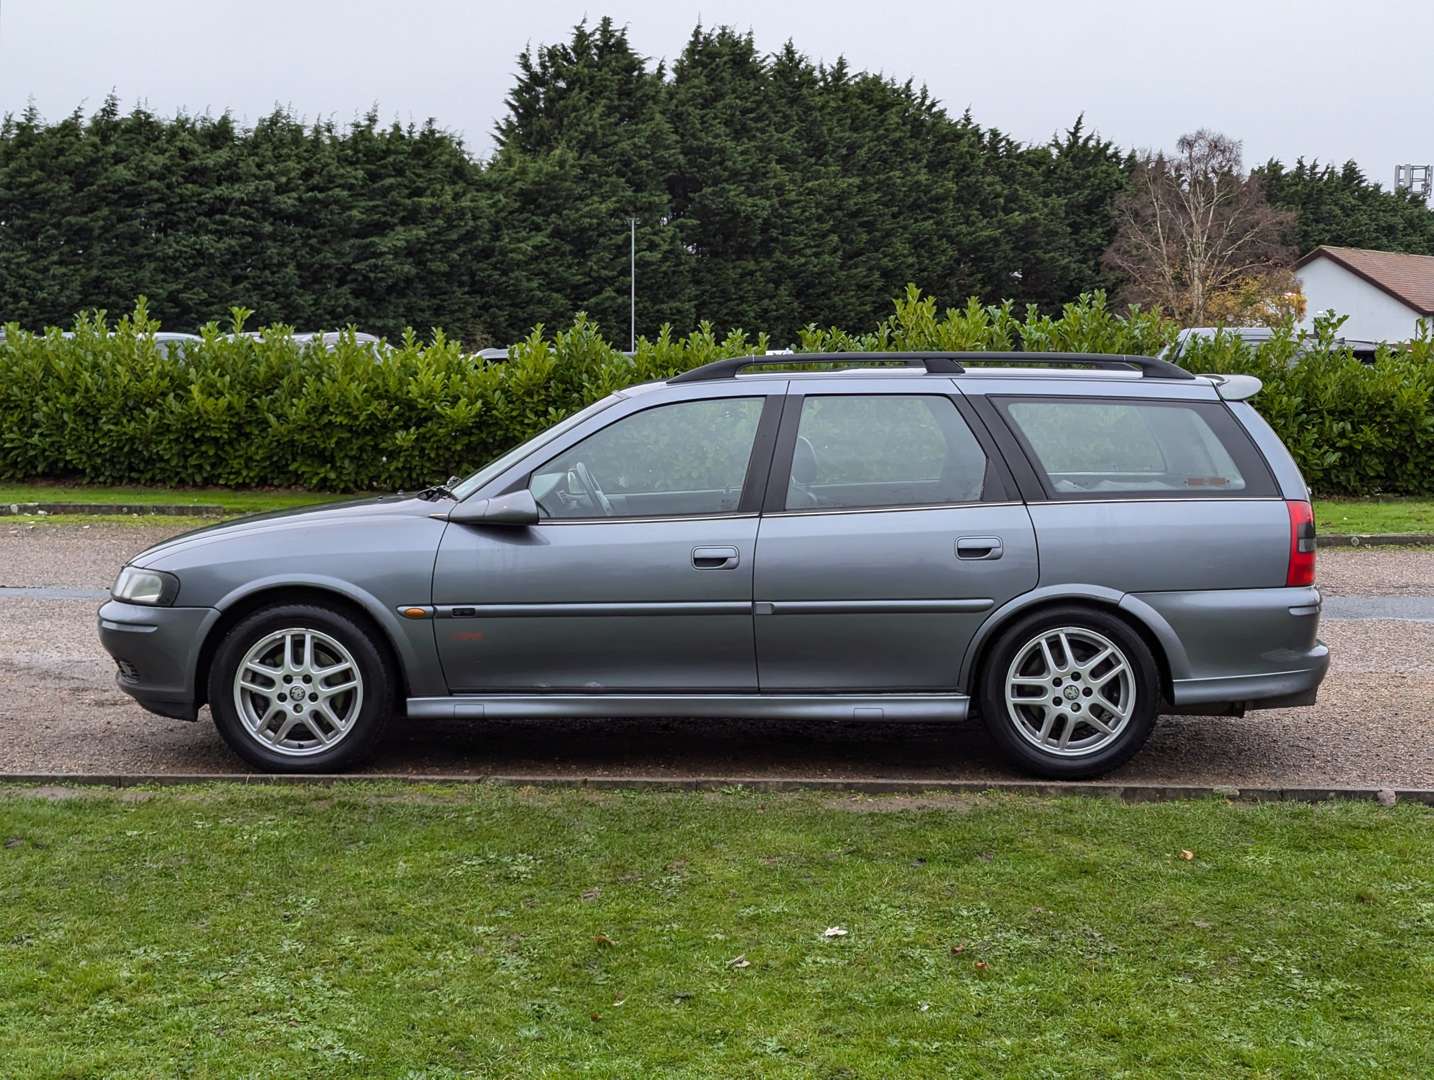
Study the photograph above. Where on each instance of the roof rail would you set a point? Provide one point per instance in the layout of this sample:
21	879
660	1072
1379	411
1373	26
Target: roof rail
1150	367
939	363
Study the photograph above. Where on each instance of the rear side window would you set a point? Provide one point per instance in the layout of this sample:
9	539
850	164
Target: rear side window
1099	446
857	450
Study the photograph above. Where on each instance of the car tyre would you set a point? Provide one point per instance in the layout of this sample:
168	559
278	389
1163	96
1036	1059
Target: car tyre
316	693
1069	693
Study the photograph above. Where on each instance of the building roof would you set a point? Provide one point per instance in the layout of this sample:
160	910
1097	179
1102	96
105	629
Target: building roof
1407	278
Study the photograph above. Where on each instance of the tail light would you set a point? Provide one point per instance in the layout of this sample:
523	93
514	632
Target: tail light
1302	544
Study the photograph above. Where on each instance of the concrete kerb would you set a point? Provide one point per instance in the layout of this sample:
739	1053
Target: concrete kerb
1374	540
1123	792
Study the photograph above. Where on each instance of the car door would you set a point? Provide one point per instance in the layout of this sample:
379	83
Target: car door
890	530
638	576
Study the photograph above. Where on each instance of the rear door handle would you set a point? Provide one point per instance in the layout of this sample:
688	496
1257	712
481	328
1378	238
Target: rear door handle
715	558
979	547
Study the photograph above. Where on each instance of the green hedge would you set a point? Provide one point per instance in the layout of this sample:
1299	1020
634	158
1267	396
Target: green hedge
107	406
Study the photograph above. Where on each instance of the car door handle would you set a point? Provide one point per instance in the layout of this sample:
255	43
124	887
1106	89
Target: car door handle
979	547
715	558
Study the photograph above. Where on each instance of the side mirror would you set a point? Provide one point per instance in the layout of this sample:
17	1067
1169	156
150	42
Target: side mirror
515	508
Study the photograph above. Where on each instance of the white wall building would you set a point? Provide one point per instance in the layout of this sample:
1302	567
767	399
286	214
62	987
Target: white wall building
1384	293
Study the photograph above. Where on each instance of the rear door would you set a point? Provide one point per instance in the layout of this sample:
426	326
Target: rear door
890	530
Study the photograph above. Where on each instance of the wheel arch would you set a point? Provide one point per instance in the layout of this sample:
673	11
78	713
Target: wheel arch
355	603
1163	642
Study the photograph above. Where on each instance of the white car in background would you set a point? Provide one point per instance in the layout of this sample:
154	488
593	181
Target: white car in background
329	339
1254	336
168	341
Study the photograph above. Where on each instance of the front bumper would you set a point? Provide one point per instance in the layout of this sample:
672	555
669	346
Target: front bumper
157	652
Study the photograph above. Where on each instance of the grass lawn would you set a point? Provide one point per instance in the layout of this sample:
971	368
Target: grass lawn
238	502
384	931
177	522
1374	515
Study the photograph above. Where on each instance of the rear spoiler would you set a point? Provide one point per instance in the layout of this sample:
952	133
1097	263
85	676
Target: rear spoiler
1235	387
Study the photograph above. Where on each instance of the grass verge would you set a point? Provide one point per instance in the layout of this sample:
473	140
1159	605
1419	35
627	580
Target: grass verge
175	522
368	930
238	502
1366	516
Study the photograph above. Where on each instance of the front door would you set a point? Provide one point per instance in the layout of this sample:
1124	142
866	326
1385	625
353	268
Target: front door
639	575
891	532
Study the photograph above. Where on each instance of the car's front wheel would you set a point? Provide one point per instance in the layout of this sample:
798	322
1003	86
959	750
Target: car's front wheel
300	688
1070	693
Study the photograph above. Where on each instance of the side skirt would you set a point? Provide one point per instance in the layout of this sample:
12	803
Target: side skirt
736	706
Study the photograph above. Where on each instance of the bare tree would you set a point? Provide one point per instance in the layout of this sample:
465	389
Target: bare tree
1194	225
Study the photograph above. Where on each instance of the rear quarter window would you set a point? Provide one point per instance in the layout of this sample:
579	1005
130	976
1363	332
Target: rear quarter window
1102	447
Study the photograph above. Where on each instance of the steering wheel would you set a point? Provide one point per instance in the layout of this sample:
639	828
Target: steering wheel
590	485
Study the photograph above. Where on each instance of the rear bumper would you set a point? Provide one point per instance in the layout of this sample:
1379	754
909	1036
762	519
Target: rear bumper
157	652
1270	690
1248	648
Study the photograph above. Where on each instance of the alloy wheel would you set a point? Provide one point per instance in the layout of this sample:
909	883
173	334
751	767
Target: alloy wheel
298	691
1070	691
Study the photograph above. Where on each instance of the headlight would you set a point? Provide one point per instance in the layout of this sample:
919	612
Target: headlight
137	586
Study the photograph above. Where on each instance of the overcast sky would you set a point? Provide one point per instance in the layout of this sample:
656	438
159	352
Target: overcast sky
1319	78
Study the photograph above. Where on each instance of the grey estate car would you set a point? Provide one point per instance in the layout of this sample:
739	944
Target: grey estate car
1064	550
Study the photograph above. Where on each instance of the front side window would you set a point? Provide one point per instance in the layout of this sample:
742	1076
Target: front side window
1092	446
856	450
499	465
669	461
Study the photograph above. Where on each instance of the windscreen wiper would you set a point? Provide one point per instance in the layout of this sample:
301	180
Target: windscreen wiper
439	491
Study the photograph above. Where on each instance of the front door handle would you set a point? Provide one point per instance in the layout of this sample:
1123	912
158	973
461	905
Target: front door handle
715	558
979	547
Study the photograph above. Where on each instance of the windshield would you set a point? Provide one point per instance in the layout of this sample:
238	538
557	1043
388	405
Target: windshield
488	472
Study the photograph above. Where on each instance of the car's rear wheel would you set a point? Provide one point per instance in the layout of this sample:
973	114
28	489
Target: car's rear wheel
300	688
1070	693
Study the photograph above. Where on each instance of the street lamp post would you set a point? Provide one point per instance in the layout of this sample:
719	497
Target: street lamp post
632	283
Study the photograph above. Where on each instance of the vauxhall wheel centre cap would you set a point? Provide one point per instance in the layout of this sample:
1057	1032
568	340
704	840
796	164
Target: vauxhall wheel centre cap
1071	693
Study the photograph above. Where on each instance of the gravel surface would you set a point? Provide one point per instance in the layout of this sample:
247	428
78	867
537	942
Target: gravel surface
72	555
1374	725
1375	571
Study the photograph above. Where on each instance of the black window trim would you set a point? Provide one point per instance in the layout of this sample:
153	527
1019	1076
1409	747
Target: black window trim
1259	480
758	463
1000	488
1026	485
